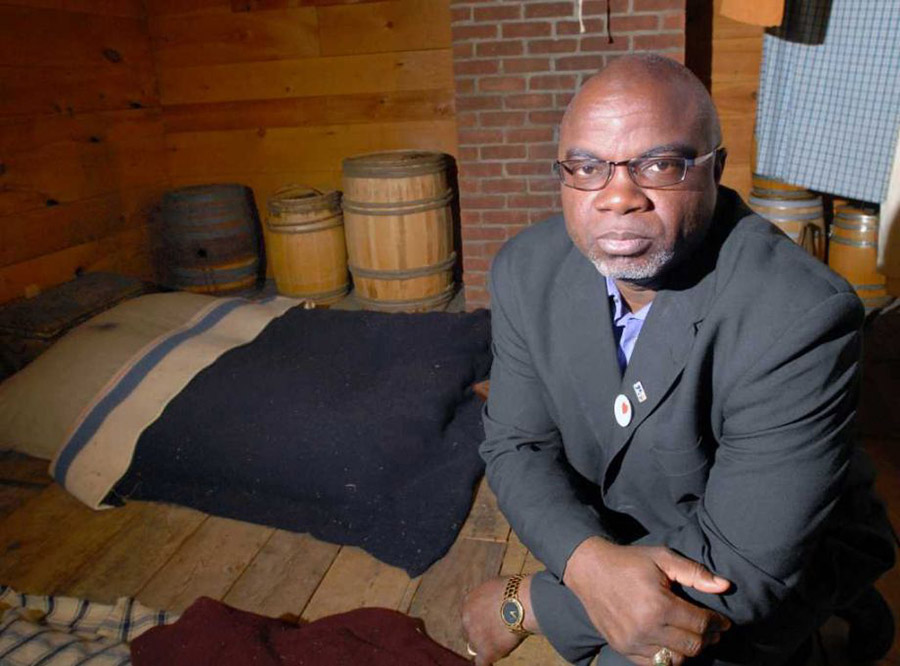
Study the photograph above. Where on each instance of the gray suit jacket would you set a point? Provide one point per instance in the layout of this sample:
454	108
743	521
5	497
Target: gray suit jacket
741	456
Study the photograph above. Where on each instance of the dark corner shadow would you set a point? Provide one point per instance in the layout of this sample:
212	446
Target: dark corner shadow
256	230
805	22
453	182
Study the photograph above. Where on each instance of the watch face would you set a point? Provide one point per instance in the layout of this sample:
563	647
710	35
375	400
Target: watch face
511	612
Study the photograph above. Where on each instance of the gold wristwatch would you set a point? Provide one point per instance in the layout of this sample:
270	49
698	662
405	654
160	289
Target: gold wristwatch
511	611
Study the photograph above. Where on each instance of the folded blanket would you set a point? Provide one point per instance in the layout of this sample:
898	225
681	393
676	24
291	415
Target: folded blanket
211	633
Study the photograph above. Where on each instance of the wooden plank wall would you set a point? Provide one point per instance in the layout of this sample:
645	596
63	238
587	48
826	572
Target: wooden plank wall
273	92
736	54
82	152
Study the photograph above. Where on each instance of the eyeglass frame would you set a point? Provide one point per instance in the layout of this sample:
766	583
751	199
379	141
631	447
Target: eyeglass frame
689	162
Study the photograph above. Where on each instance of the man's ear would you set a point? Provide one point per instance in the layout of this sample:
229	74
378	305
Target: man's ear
721	156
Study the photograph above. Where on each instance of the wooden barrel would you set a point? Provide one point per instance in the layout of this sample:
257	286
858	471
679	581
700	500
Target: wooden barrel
210	238
764	187
853	252
305	244
802	219
399	226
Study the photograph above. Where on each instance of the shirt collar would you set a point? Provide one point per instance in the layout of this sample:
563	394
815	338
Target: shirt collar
621	307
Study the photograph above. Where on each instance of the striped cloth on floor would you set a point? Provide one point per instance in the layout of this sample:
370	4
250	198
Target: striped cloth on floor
829	97
65	631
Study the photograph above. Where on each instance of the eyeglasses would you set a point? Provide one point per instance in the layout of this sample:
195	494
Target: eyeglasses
648	172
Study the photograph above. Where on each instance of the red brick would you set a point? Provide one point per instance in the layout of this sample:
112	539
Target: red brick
501	13
479	169
541	215
463	51
460	14
485	233
501	84
503	152
502	119
561	100
553	46
468	201
504	185
500	48
477	31
657	5
542	151
503	217
477	264
677	56
658	42
546	117
529	29
548	184
591	63
474	249
476	298
547	9
464	86
525	65
529	101
598	7
463	67
553	82
470	218
528	135
532	201
468	153
466	120
635	23
527	169
479	137
673	21
469	185
620	44
591	26
478	102
479	279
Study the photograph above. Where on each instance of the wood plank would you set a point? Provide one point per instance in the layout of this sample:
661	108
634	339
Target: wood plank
218	35
357	580
49	37
32	90
265	5
485	520
128	8
298	149
306	111
13	496
46	540
306	77
394	25
439	597
24	470
127	563
514	557
207	564
283	575
534	650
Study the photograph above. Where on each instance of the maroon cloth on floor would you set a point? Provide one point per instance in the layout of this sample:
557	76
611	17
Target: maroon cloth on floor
211	633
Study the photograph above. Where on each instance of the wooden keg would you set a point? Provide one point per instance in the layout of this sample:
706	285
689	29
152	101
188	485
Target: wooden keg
399	226
802	219
305	244
210	238
853	252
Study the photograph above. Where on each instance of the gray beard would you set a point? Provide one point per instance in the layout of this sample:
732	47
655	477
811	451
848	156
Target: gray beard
644	268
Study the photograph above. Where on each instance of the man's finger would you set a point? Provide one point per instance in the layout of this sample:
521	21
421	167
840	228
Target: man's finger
700	621
691	574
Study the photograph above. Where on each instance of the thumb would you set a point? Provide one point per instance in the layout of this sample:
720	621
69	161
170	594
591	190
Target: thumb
691	574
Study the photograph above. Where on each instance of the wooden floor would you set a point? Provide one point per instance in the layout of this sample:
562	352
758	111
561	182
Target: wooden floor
167	556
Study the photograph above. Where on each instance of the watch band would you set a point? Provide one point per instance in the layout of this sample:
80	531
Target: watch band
512	613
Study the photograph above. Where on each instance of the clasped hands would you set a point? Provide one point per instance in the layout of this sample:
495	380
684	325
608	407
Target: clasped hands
627	593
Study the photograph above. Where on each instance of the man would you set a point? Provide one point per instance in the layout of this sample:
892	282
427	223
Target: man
669	427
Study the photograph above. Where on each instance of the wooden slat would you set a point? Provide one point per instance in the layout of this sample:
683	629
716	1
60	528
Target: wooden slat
485	520
208	564
128	563
534	650
127	8
307	111
439	597
394	25
283	575
24	470
47	37
357	580
13	496
298	149
338	75
218	35
514	557
46	540
268	5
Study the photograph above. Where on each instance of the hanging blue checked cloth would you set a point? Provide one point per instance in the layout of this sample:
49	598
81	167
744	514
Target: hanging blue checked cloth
829	98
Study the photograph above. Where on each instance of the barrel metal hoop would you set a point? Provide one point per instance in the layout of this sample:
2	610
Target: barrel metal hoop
398	208
869	287
853	243
862	228
432	301
324	223
404	274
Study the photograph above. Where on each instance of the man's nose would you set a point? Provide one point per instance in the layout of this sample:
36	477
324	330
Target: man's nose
621	195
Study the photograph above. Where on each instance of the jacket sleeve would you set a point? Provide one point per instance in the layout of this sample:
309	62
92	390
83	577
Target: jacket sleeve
526	467
781	462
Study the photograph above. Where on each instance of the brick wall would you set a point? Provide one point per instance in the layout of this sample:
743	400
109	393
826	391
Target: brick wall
516	64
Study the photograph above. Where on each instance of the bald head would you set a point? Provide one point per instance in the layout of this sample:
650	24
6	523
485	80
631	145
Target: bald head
654	78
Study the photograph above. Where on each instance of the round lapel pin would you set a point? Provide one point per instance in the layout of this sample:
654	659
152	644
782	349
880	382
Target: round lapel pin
623	410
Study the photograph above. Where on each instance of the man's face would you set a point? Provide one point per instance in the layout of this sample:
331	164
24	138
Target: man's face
629	232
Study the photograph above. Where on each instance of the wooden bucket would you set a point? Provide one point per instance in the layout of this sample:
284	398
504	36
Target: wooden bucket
210	238
853	252
803	220
305	244
399	225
